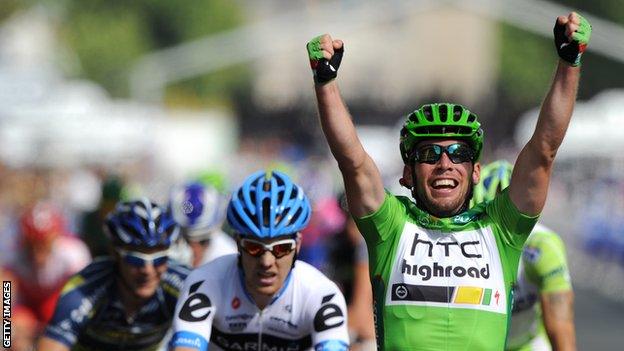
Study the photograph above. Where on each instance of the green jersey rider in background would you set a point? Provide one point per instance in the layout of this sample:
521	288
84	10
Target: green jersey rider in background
442	274
543	306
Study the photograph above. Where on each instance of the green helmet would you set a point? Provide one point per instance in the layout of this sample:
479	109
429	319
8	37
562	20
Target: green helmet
440	120
494	178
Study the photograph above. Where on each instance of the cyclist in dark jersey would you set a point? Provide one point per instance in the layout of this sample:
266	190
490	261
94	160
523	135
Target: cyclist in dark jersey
126	301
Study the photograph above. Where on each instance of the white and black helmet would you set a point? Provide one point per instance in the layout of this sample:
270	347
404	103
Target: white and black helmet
198	208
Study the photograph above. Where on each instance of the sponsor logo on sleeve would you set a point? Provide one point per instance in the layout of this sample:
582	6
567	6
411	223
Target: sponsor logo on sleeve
197	306
531	254
329	315
188	339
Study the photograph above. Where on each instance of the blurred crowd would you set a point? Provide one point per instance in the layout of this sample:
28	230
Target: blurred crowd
51	226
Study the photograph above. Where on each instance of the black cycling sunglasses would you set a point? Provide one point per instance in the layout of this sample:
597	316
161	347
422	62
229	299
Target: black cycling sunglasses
431	153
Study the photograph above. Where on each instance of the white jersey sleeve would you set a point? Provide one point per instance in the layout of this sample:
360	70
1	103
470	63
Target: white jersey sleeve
196	308
326	309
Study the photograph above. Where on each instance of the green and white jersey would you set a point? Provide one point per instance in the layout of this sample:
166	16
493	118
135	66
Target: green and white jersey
443	283
543	269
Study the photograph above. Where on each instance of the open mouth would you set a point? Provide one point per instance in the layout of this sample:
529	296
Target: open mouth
143	282
444	184
266	278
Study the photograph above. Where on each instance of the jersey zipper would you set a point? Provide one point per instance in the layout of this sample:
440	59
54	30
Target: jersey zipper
260	330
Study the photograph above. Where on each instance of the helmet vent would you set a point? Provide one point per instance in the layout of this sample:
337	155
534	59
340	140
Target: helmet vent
443	130
237	217
428	113
457	112
293	195
297	213
266	212
443	111
472	118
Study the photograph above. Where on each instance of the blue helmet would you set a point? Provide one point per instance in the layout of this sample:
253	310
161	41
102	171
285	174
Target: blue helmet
268	205
141	223
198	208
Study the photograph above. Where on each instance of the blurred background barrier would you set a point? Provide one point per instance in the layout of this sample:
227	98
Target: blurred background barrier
103	100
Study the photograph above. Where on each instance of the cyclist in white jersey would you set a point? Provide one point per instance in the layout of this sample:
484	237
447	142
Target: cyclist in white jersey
543	309
262	298
199	209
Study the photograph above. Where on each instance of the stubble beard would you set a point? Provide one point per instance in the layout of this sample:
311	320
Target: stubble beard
440	210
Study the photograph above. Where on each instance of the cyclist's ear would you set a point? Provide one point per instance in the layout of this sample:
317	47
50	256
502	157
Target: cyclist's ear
406	180
476	173
298	239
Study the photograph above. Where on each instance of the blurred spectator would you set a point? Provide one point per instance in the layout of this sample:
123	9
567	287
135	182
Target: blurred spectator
47	256
92	224
327	220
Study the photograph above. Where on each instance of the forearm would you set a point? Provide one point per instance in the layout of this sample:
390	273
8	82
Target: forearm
556	112
558	316
531	174
363	184
338	127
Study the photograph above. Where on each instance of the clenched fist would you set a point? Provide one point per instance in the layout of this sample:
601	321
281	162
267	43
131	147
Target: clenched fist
325	56
572	33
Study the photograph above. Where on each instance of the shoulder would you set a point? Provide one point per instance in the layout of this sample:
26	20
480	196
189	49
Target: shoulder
544	239
98	272
400	202
174	277
87	285
321	299
223	267
313	281
219	266
543	243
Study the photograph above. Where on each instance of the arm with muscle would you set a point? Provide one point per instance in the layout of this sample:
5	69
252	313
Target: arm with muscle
531	174
363	183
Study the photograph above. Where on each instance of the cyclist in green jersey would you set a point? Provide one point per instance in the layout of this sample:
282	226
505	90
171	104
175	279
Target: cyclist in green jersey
542	317
441	274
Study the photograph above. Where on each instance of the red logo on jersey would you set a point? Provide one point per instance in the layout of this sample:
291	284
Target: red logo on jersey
235	303
496	296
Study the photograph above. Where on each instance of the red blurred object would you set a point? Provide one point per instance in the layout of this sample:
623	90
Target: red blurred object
41	222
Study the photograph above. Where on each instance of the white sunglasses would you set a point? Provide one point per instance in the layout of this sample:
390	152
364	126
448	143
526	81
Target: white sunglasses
279	248
139	259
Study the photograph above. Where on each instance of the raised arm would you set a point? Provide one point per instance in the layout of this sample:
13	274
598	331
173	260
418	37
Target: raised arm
363	183
531	174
